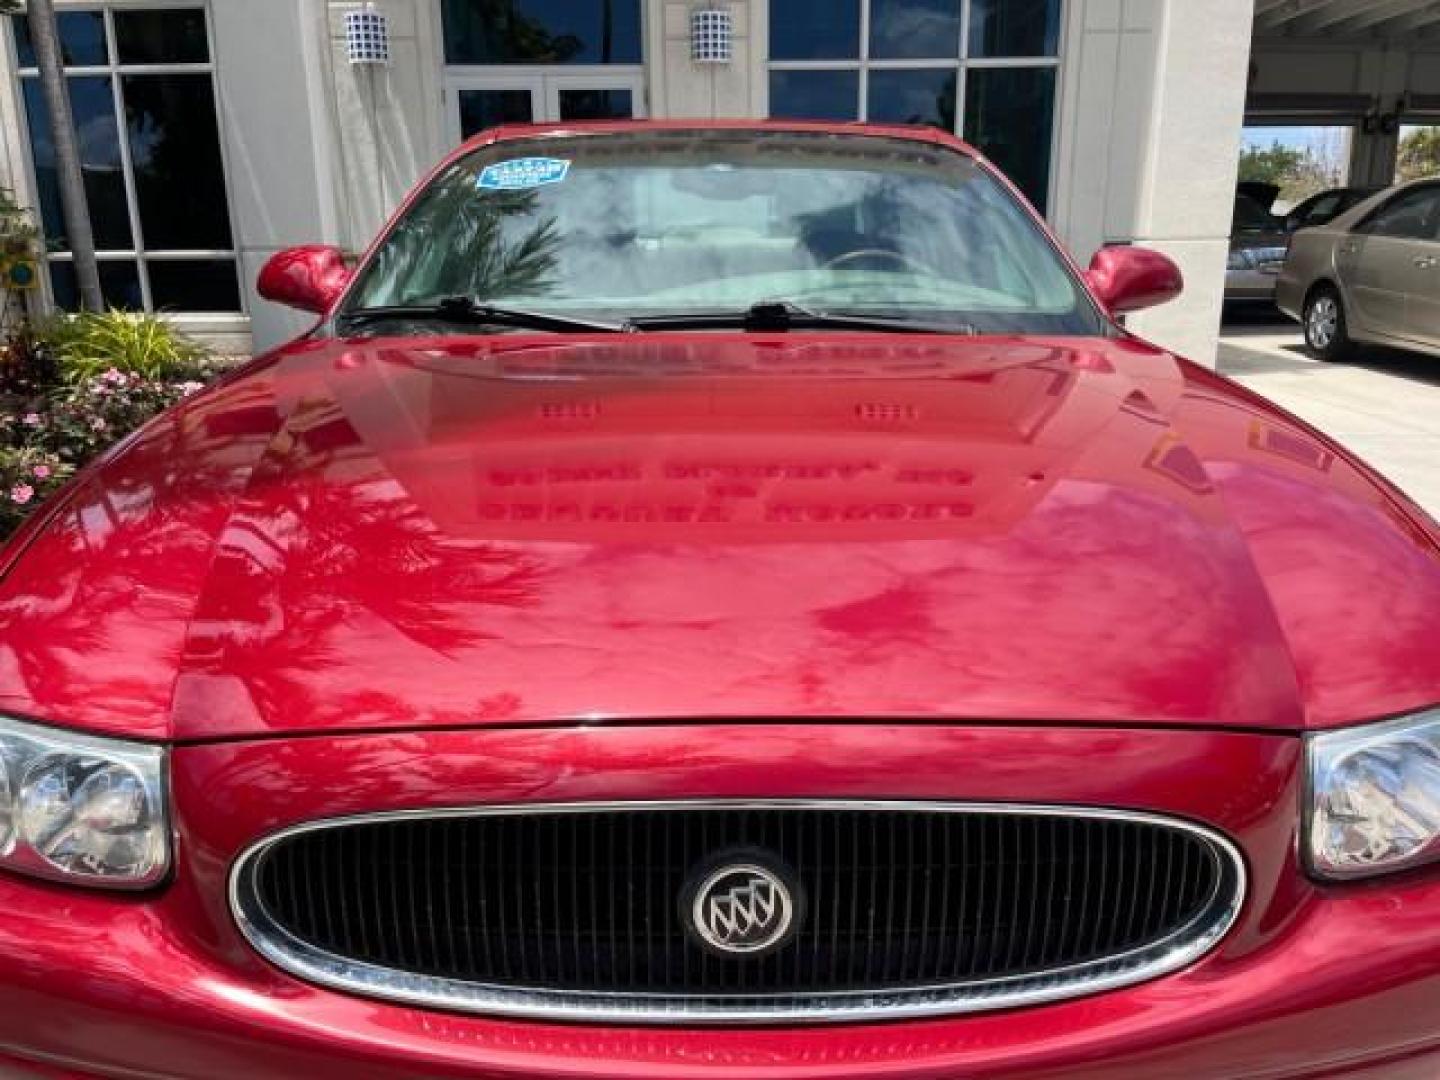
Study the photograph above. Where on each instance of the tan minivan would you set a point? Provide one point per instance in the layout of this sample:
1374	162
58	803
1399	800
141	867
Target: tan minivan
1371	276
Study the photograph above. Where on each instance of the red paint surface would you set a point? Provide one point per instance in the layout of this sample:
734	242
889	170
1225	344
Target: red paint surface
1309	981
450	532
310	278
458	567
1128	279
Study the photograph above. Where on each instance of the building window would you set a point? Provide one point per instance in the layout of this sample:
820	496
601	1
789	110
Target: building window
484	32
538	61
142	89
985	69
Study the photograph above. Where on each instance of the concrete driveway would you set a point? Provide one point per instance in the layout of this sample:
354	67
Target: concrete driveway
1385	406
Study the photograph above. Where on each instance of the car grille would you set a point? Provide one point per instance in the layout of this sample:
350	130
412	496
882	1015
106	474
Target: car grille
582	911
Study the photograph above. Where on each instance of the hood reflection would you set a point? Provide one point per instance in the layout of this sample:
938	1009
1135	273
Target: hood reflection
671	444
698	529
506	531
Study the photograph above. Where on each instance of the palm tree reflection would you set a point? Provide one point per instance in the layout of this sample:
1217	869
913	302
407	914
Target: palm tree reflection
461	243
328	555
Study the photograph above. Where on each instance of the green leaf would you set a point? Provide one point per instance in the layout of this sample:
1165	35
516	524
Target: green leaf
90	343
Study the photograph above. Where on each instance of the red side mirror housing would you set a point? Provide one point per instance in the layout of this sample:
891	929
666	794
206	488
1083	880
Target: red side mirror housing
1132	278
310	278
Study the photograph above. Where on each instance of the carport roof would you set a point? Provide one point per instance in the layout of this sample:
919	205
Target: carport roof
1347	20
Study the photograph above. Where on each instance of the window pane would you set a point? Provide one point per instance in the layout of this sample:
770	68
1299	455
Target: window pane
161	37
481	109
1009	116
1418	155
1412	216
119	282
82	39
542	31
910	29
815	30
914	97
1323	209
596	105
194	286
815	95
175	149
93	103
1014	27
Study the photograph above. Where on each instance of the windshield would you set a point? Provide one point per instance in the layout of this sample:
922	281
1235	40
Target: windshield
644	224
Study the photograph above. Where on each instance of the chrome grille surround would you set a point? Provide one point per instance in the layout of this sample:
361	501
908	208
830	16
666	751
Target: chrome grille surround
1166	955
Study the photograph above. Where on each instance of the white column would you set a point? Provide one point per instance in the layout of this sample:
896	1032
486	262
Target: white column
1151	118
320	151
278	145
1187	198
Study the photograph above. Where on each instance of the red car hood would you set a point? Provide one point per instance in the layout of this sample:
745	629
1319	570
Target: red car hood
453	532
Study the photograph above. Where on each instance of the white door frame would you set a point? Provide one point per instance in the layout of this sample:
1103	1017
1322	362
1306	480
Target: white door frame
458	82
545	83
605	79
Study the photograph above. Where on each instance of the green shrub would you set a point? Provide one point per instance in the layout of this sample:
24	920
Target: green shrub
88	344
71	387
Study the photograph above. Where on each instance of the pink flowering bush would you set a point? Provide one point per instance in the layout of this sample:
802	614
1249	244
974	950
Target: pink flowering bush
28	473
56	415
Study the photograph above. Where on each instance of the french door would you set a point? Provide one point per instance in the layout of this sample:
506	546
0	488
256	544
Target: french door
474	102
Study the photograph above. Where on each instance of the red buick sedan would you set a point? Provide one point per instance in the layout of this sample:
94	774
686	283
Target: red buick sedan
732	603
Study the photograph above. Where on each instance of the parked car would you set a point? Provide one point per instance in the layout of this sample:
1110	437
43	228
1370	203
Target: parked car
1260	238
1258	241
1372	276
702	589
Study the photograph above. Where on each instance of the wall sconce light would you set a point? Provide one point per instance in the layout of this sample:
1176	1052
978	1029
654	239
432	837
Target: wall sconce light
712	37
367	36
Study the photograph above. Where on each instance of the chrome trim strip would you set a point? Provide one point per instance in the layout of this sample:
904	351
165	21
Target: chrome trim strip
1179	949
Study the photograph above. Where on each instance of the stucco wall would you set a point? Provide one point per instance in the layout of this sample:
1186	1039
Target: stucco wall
327	150
279	150
1151	116
679	87
388	117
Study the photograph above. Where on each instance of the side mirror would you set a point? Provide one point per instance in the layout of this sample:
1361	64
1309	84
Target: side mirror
1128	279
310	278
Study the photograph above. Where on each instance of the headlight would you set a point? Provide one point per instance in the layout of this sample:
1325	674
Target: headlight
80	809
1375	797
1238	260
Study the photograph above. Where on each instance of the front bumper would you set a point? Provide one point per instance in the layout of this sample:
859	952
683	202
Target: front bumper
1312	981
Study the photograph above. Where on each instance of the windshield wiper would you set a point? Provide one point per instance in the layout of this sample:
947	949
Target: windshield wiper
465	311
773	315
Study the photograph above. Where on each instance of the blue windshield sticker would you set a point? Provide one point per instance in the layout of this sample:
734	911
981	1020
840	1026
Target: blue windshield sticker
521	174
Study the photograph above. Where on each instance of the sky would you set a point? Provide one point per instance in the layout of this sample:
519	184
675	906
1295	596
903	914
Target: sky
1300	138
1316	139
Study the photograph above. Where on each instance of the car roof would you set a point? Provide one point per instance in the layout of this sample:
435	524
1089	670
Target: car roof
1349	195
1355	191
519	132
1376	198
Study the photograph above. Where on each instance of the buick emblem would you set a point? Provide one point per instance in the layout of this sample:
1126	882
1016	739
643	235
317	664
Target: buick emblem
743	908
